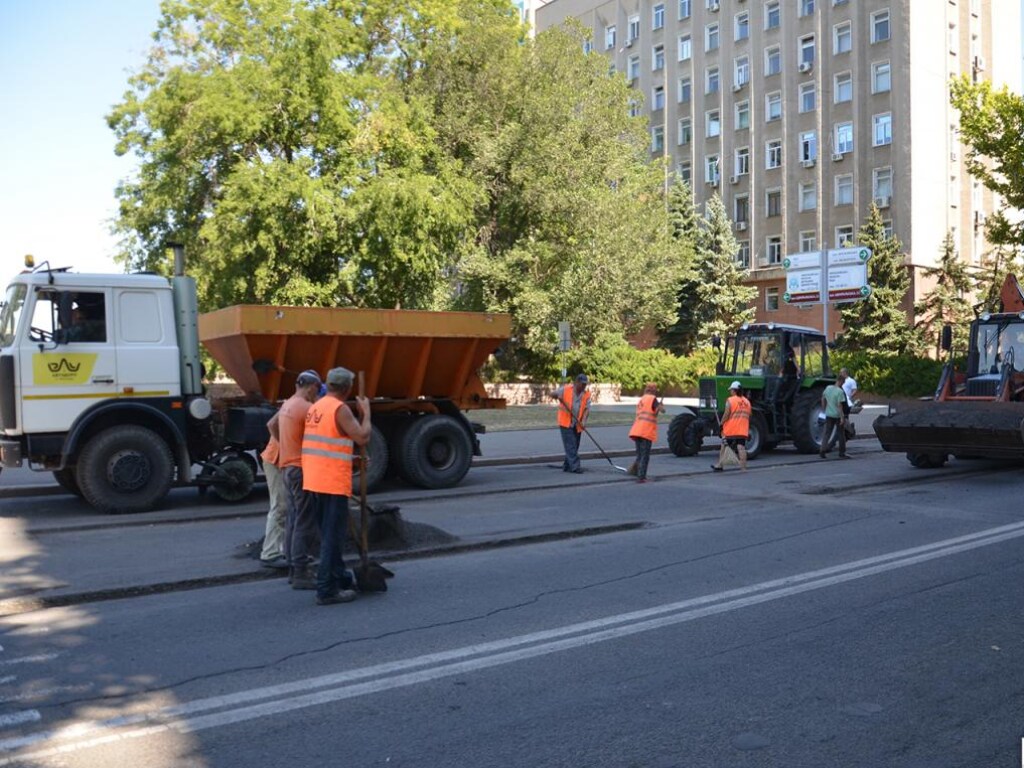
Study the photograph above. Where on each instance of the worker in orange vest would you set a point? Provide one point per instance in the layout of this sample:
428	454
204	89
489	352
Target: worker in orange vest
644	431
272	554
735	427
327	451
573	409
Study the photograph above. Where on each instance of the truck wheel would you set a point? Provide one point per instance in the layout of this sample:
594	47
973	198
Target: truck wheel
236	479
66	479
684	435
377	454
755	434
927	460
807	428
125	469
435	452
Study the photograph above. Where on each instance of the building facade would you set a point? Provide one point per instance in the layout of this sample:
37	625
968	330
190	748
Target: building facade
801	113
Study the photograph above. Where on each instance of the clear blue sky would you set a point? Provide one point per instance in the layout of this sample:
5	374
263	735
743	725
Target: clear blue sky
63	64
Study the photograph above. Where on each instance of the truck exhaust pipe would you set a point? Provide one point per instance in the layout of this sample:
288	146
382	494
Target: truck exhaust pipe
186	322
179	258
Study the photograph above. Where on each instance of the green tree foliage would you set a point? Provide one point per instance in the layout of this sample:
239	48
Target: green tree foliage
684	227
879	323
991	125
949	301
1001	261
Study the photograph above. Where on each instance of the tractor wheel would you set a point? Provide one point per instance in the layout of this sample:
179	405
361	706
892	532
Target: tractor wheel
377	458
435	452
755	435
807	427
66	479
684	435
927	460
125	469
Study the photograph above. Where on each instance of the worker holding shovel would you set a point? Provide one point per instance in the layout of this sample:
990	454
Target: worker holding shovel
572	418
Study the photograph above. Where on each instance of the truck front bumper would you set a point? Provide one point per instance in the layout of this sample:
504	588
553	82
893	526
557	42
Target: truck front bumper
10	454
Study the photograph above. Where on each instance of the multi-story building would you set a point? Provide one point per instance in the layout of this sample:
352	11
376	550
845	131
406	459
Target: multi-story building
801	113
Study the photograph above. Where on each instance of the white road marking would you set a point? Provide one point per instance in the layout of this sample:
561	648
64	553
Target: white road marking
185	717
46	692
20	718
8	679
39	657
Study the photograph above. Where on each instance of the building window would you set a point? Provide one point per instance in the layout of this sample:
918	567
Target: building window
808	241
712	171
808	97
772	16
806	7
881	79
808	146
658	57
842	38
609	38
712	124
685	48
588	46
634	28
741	208
808	196
880	26
685	131
881	185
685	90
807	50
773	202
743	254
685	9
771	299
887	227
773	106
742	115
844	189
773	249
741	71
882	129
742	26
658	16
953	39
772	60
711	37
685	171
773	153
844	137
844	235
658	138
742	166
612	68
658	97
634	108
633	68
843	87
711	80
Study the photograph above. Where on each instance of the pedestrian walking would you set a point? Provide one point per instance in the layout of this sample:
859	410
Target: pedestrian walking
735	427
302	534
573	409
644	432
850	389
832	401
327	449
272	554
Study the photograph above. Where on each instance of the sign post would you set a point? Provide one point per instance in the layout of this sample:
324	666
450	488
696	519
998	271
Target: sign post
836	276
564	342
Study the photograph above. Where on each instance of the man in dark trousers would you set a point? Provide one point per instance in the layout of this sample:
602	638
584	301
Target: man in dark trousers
331	434
572	416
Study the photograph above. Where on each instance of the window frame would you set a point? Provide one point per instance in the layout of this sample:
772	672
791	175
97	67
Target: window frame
742	108
873	22
843	181
842	30
712	117
772	9
741	161
772	154
770	194
657	16
840	80
843	129
803	89
876	69
880	120
772	53
772	98
741	26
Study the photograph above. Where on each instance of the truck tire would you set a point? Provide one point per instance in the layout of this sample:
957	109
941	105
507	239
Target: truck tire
756	433
377	454
66	479
684	435
806	427
125	469
927	460
435	452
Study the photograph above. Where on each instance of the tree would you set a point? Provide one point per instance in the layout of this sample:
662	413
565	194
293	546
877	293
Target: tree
1001	261
948	302
684	227
991	125
879	322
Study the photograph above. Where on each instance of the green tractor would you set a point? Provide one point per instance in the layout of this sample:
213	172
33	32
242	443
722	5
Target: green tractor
783	370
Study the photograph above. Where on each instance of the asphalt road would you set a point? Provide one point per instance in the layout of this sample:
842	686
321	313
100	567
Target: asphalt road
806	613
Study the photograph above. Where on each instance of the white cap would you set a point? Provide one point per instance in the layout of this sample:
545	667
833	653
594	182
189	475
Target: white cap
734	385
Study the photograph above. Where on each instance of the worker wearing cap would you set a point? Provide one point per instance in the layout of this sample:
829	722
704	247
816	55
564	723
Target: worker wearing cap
644	431
272	555
735	427
331	433
302	534
573	409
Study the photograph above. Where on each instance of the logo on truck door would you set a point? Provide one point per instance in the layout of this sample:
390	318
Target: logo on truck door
62	369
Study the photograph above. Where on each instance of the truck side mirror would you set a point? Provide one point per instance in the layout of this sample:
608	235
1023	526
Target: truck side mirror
946	341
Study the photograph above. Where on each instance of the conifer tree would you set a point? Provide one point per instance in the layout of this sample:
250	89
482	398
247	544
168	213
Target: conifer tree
684	227
949	302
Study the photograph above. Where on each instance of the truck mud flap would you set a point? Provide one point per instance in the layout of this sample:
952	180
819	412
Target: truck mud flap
977	429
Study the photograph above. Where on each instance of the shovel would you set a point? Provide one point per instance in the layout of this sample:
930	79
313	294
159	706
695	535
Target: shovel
587	433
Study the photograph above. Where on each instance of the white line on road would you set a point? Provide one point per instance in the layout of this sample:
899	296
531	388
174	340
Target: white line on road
8	679
46	692
184	717
39	657
20	718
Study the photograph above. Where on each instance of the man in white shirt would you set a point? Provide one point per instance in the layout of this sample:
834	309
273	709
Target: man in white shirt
850	388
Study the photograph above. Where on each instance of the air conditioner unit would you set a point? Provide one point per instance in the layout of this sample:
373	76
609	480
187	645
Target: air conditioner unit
805	66
629	43
837	156
737	87
734	179
807	163
882	202
713	5
979	63
741	225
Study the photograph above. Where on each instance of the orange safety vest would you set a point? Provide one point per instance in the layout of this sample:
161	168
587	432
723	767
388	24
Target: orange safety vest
646	424
738	423
272	452
291	423
564	419
326	451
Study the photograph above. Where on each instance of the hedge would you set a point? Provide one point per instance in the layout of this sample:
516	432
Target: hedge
890	375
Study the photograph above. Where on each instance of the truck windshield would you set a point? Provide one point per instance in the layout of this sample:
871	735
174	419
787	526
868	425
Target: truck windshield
10	312
1000	343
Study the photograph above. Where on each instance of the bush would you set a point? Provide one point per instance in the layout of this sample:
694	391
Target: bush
890	375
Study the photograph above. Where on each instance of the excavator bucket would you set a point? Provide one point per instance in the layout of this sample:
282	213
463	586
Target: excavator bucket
964	429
